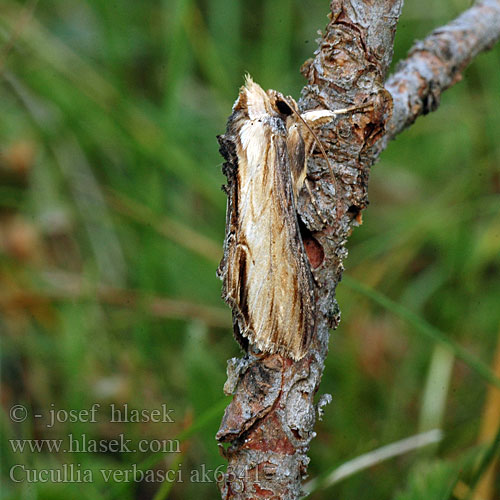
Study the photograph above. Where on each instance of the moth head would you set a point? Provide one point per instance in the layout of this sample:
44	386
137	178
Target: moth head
254	100
259	103
305	123
286	107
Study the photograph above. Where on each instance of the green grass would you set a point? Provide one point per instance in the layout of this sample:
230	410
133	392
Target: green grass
111	228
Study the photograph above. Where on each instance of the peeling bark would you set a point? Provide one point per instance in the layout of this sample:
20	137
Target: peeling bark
270	422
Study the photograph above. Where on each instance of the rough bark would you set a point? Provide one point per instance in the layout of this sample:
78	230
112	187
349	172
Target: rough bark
436	63
270	422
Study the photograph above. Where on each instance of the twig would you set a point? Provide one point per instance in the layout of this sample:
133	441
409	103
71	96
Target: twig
436	63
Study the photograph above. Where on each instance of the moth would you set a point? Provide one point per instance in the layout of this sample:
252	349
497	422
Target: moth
267	279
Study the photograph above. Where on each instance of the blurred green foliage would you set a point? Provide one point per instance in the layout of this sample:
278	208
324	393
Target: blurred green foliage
112	222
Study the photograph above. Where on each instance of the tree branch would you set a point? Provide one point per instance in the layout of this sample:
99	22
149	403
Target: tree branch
436	63
269	423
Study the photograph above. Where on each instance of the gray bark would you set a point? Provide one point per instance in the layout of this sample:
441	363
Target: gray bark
270	422
436	63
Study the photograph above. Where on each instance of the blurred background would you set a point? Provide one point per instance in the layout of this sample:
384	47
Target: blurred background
111	229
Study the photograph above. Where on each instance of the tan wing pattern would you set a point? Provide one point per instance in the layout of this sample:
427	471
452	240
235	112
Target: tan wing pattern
266	274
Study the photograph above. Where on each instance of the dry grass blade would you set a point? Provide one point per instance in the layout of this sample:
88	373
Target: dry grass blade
489	427
65	287
166	226
375	457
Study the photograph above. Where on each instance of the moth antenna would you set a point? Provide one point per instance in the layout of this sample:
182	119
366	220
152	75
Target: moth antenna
323	152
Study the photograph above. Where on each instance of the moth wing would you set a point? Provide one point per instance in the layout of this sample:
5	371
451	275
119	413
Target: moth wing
267	281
